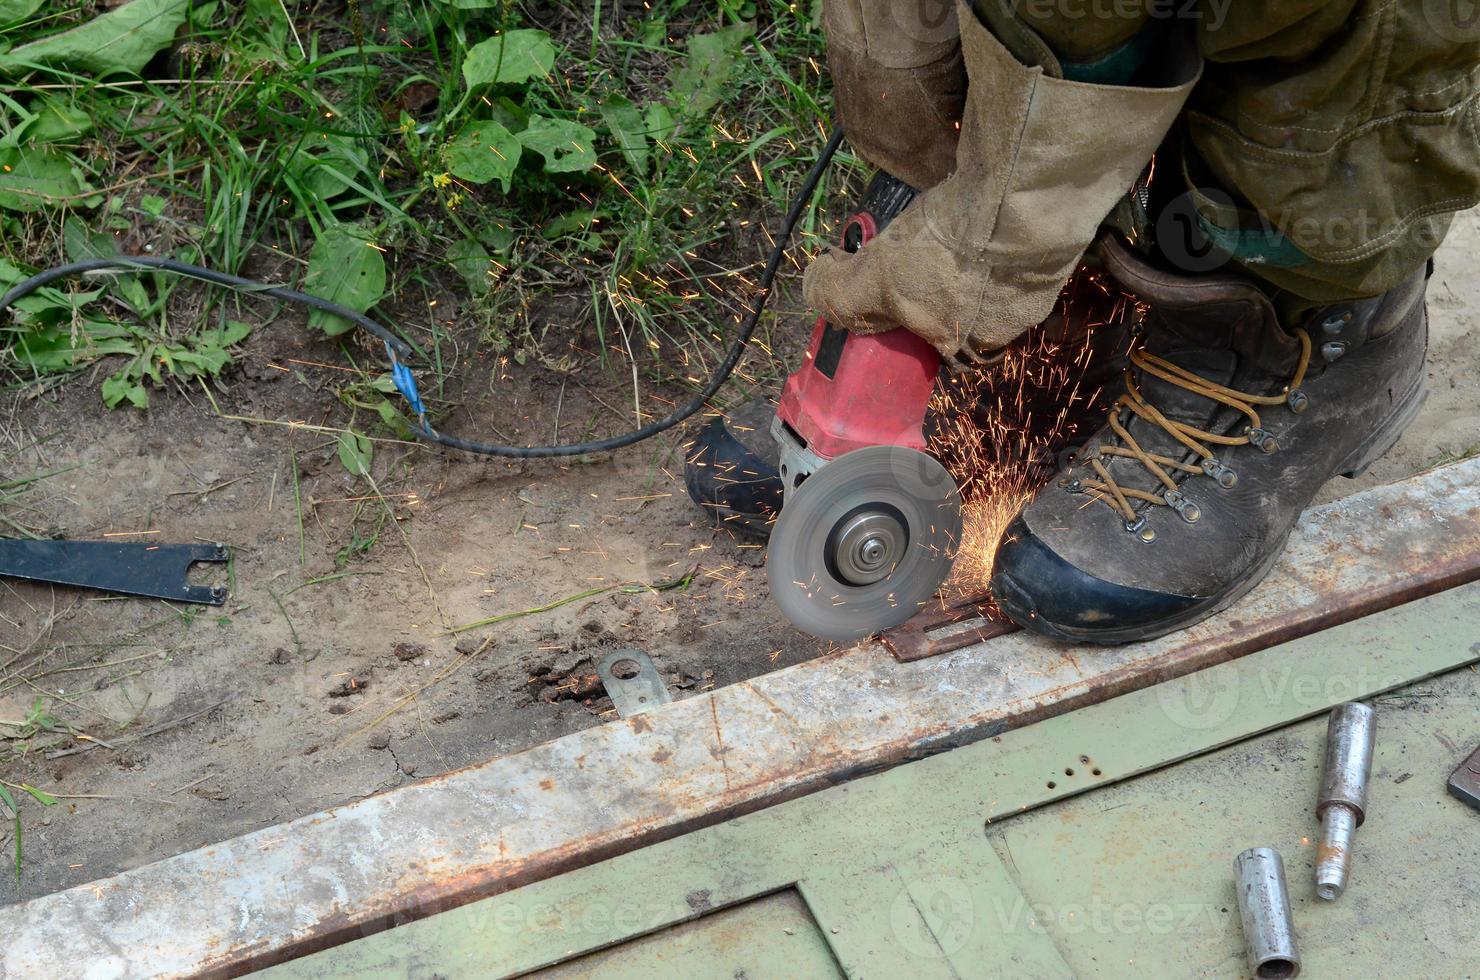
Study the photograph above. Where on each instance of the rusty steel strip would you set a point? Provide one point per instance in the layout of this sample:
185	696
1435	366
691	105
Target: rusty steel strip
330	877
925	634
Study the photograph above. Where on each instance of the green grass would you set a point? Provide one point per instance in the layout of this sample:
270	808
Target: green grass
368	154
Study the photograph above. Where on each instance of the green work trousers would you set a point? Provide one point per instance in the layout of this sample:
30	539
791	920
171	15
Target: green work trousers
1328	143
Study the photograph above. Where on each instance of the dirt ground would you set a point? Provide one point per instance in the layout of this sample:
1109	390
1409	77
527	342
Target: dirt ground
301	694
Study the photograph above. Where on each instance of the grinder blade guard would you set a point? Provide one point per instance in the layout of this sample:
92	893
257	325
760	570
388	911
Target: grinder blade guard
870	521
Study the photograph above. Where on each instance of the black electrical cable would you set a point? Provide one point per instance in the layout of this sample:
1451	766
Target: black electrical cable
397	348
135	263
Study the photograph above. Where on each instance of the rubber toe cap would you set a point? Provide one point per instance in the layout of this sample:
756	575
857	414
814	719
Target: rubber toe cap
730	481
1042	592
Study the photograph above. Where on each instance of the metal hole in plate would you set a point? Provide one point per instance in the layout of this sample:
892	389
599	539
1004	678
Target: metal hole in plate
625	669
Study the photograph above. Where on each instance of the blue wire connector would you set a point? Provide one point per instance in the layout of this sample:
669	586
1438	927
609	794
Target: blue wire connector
406	385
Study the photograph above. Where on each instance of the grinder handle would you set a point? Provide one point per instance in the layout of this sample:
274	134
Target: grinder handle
857	390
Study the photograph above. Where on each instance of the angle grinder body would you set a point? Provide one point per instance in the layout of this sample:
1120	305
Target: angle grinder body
870	521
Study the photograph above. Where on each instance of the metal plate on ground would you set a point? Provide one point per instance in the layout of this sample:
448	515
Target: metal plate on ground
1464	784
632	682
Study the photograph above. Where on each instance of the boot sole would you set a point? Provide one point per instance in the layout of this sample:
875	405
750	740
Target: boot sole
1383	439
1135	634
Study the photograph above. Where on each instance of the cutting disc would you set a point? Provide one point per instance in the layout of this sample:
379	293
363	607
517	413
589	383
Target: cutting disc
864	542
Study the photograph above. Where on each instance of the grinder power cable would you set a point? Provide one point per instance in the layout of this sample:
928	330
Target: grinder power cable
870	521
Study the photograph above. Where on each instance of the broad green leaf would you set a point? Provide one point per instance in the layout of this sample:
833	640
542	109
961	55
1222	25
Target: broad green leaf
152	205
13	11
122	388
57	121
232	333
33	177
567	147
698	84
473	264
356	453
45	350
659	121
629	130
326	167
514	56
124	39
83	243
9	274
483	151
497	236
344	268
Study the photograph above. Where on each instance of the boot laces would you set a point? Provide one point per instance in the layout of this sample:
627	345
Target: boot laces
1197	441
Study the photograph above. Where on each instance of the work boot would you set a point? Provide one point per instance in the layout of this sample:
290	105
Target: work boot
1229	424
730	469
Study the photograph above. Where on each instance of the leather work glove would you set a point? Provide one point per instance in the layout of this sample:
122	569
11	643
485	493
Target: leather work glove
982	256
899	83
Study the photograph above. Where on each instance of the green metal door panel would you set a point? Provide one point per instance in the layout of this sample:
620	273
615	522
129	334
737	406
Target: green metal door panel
1043	852
1138	876
928	915
769	938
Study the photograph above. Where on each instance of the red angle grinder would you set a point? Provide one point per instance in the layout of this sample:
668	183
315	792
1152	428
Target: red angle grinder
870	522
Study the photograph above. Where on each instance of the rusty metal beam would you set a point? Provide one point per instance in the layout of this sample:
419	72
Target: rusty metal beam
414	851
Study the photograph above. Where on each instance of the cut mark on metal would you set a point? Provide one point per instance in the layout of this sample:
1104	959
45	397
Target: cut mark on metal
632	682
935	631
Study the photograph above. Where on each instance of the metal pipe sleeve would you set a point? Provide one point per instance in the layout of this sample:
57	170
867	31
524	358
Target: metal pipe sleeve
1351	735
1264	907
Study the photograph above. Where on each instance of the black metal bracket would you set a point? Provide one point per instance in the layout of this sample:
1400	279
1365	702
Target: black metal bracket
158	571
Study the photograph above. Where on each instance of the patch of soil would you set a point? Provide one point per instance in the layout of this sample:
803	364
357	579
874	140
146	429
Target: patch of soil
333	672
332	669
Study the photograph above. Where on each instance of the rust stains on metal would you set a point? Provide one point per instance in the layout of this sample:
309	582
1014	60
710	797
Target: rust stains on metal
923	635
443	842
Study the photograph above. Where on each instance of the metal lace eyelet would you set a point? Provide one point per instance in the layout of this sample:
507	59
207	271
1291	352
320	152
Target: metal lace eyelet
1297	400
1185	508
1335	322
1074	486
1221	473
1262	438
1136	525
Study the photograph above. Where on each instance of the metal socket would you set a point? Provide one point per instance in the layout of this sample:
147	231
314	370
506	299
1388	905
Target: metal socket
1264	907
1351	735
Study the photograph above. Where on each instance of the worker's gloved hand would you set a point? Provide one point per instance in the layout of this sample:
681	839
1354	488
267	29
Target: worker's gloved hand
898	83
981	256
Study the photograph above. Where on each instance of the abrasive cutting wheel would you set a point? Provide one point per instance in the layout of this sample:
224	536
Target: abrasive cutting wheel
864	542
